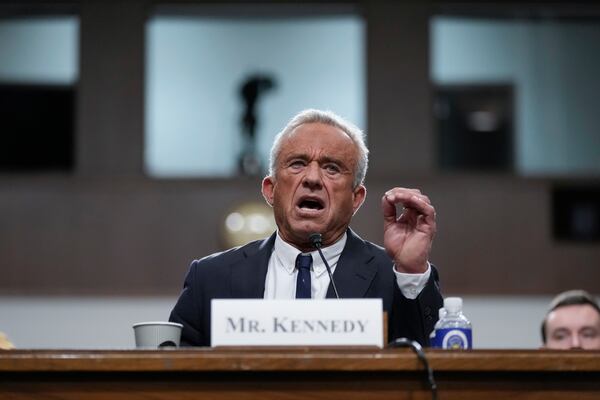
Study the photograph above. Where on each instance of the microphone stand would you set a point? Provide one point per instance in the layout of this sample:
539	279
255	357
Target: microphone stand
317	242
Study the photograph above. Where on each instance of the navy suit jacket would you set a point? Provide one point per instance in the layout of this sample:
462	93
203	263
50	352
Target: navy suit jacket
364	270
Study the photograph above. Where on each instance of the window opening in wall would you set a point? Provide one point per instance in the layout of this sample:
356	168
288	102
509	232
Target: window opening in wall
551	66
38	74
219	87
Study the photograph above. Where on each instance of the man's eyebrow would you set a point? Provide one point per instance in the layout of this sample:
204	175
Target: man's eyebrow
322	160
291	156
329	159
561	330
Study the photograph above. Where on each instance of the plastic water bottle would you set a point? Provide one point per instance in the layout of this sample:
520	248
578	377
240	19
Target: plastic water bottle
453	331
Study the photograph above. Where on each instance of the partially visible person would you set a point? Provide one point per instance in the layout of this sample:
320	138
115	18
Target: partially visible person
5	344
572	322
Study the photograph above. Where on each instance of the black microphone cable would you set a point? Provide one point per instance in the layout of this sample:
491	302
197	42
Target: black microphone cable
317	241
416	347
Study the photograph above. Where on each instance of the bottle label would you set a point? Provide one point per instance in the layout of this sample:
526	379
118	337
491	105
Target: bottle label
453	338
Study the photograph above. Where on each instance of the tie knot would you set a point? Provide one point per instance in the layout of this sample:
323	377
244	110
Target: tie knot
303	261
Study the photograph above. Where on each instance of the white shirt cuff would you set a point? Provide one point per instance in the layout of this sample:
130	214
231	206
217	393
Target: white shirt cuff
412	284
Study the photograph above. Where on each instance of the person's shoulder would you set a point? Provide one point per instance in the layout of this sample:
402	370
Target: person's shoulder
374	249
232	255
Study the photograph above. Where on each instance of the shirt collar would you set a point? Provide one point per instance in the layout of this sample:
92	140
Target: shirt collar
286	254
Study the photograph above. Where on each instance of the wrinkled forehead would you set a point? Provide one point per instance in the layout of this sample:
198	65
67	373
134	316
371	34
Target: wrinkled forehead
319	136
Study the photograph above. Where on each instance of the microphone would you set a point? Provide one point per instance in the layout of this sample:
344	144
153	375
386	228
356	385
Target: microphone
317	241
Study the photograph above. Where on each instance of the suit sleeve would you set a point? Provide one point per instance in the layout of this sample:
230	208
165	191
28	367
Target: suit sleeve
415	319
187	311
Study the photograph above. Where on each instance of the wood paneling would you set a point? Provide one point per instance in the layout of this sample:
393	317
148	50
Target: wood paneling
351	373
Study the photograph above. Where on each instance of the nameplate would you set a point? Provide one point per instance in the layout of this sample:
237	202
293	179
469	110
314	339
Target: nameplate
257	322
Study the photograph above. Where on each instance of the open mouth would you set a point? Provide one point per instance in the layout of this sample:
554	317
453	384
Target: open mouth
311	204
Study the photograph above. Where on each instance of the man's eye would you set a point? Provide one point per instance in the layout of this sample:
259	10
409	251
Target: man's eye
560	335
332	168
589	333
297	164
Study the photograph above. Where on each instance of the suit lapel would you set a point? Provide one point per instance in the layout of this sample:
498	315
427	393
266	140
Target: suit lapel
249	273
353	274
354	271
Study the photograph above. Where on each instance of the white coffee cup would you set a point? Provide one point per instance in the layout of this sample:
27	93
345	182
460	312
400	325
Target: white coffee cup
157	334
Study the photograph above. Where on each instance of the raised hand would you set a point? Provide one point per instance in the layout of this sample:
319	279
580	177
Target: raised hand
407	237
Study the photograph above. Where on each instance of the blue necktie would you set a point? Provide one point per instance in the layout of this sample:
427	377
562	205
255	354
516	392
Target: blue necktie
303	263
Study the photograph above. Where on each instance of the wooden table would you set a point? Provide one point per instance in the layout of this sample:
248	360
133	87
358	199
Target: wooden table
297	373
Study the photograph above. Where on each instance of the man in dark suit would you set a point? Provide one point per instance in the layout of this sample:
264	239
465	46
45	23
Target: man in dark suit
315	185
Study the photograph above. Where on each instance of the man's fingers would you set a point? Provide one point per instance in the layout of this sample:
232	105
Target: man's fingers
412	200
409	215
400	195
418	202
389	209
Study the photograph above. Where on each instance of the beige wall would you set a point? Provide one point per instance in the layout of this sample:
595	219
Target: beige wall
72	322
108	229
137	236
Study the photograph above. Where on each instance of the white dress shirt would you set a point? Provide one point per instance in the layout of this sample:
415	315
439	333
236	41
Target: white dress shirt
281	272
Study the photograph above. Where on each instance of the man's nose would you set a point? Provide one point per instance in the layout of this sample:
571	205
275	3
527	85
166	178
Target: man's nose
575	342
312	175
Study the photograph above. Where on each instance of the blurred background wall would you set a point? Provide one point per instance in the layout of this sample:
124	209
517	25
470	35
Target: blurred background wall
124	148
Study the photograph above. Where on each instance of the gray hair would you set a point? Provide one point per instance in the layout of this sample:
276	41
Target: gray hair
327	118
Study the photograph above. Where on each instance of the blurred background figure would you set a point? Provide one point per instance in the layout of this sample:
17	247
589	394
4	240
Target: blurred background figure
572	322
4	343
251	90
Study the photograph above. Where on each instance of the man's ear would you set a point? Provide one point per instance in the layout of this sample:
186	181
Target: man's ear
360	194
267	189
